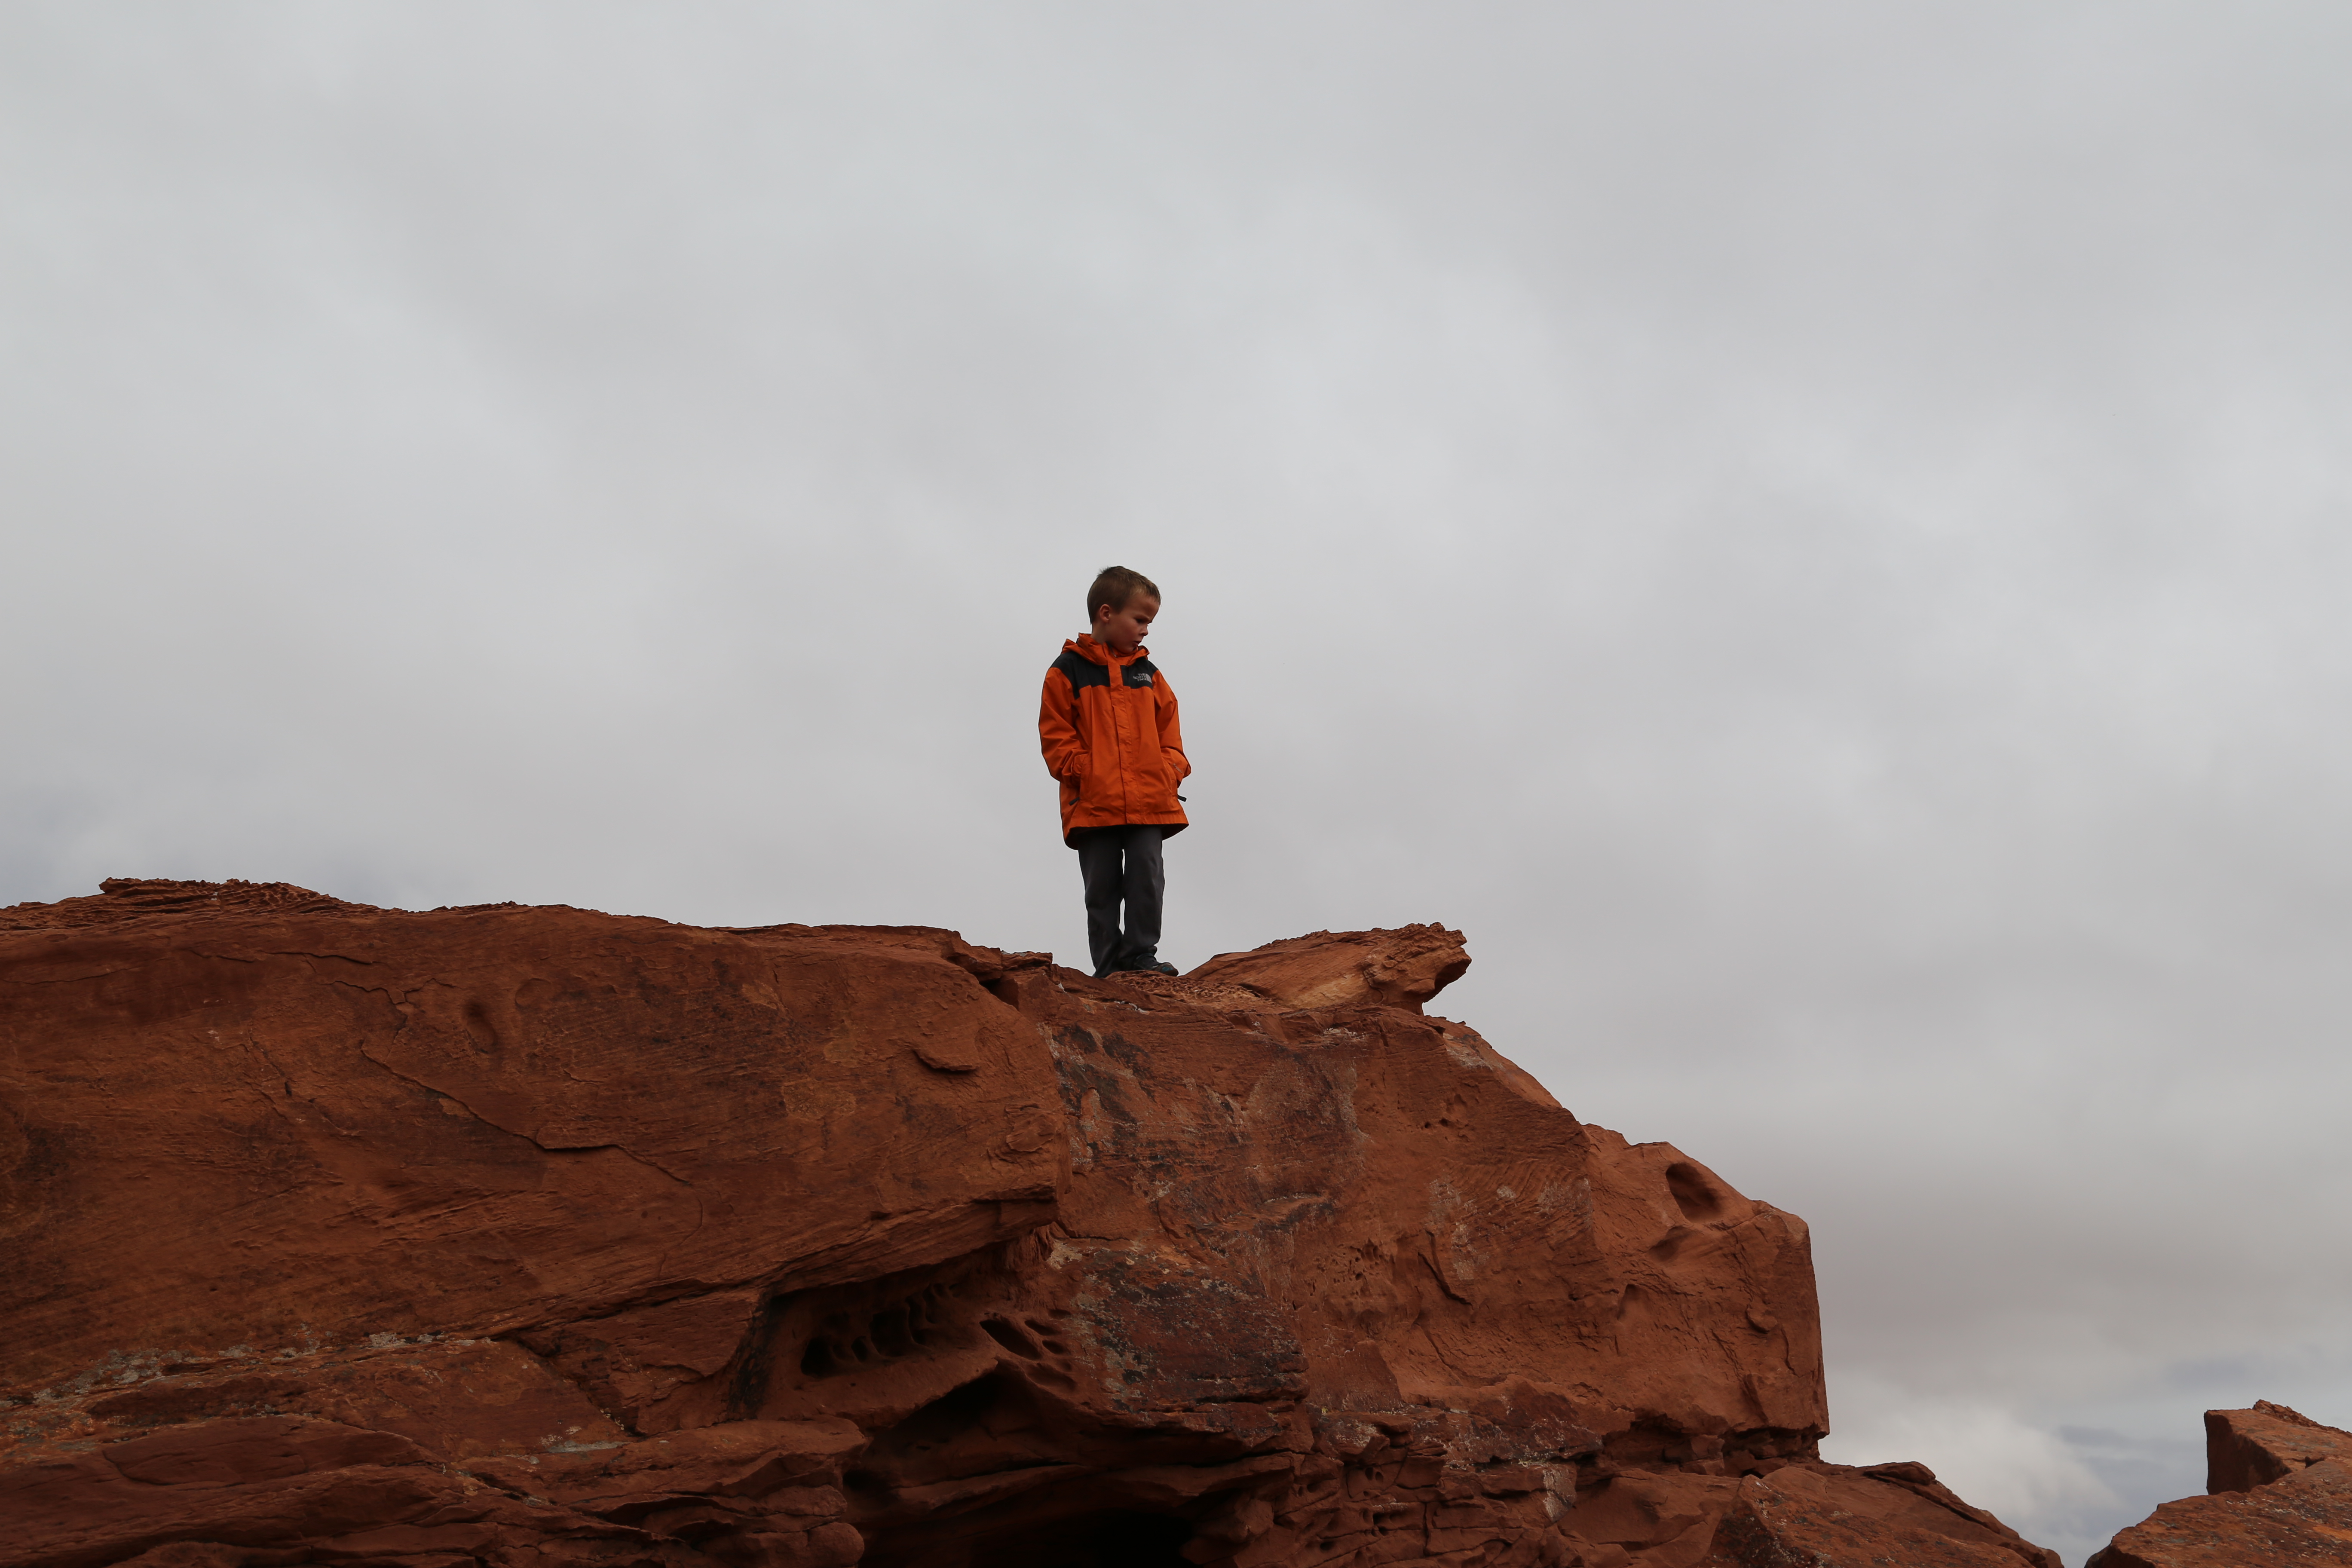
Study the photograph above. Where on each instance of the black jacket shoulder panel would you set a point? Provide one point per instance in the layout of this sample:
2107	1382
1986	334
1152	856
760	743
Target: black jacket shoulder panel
1081	673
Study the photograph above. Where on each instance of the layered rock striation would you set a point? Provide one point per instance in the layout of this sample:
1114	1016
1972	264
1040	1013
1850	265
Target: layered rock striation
2278	1490
504	1235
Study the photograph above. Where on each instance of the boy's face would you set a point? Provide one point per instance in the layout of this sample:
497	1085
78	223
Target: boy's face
1122	631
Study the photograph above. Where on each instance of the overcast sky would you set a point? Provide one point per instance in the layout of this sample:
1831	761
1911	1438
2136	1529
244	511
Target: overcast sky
1816	533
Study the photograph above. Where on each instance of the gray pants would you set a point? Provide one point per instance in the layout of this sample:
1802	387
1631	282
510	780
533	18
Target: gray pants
1121	865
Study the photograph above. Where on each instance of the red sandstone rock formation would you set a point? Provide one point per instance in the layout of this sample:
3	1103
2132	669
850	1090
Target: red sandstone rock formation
509	1237
2278	1490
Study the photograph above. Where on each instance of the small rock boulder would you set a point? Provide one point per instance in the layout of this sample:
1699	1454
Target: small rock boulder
1400	968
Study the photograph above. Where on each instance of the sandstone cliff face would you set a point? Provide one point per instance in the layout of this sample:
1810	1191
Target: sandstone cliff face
2278	1490
509	1237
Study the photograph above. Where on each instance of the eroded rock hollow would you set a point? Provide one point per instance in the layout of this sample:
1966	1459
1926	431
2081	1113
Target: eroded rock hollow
537	1236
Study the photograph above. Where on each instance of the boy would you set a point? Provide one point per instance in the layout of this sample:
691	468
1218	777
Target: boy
1107	726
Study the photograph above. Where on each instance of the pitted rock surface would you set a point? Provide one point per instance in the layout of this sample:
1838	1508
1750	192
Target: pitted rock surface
502	1235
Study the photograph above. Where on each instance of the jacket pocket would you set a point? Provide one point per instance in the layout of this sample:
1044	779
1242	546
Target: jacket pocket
1093	782
1154	782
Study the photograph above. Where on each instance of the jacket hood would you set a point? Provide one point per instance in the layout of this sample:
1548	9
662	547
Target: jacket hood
1085	646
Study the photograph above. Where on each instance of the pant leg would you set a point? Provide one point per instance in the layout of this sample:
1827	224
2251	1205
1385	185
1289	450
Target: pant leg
1100	856
1143	884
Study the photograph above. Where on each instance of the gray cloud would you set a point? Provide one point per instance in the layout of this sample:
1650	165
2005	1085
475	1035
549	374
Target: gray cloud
1816	534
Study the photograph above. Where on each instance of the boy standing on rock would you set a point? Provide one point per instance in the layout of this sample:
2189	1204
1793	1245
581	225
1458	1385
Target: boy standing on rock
1107	726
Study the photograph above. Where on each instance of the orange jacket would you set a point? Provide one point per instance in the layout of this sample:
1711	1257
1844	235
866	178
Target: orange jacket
1108	727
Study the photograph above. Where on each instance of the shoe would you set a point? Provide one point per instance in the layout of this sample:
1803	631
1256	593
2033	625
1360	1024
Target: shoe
1156	967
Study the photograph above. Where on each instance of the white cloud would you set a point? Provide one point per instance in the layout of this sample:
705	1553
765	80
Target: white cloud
2031	1478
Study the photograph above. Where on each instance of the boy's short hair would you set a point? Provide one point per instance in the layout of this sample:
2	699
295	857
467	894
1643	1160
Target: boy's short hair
1117	586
